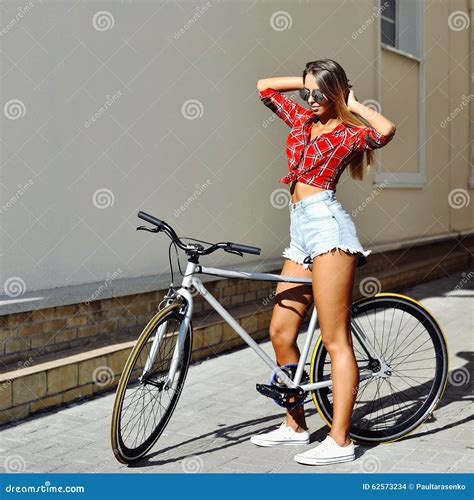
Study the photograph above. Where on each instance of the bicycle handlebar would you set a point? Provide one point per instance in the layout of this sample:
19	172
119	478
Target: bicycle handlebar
227	246
163	226
244	248
152	220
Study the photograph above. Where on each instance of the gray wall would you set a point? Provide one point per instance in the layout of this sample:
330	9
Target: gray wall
71	187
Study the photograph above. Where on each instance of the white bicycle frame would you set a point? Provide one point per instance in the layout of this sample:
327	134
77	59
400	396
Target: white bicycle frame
190	280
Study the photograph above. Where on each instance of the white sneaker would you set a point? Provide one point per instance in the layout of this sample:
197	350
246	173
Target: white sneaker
282	435
327	452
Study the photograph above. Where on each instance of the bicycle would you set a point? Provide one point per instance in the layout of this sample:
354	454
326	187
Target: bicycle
402	376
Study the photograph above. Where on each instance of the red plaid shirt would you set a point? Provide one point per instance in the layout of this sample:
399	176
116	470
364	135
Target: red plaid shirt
321	161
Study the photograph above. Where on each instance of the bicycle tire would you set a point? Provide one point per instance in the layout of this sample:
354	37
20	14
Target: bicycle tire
408	305
122	452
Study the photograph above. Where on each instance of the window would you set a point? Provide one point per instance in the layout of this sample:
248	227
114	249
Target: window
401	33
388	22
400	25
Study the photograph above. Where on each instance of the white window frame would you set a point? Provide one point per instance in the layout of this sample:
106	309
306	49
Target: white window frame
405	179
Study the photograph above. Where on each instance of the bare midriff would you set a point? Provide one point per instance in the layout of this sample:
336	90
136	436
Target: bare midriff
300	190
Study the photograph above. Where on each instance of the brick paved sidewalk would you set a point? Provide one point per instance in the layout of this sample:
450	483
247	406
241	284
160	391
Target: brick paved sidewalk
220	409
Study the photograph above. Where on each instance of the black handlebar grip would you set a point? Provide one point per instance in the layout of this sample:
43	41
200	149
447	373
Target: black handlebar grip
152	220
245	248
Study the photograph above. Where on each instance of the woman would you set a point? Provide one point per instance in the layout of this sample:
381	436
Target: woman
323	140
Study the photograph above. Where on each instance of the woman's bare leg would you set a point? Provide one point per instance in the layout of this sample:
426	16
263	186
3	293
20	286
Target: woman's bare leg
333	279
292	302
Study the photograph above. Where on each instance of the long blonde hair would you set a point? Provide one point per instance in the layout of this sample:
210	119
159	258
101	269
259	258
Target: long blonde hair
332	81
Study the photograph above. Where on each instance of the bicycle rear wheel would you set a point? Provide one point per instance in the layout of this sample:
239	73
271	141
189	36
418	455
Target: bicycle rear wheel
144	401
409	339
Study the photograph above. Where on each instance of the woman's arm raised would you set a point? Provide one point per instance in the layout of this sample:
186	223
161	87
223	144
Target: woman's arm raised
281	83
270	92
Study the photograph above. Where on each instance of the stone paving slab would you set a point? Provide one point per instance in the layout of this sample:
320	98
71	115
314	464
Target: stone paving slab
219	410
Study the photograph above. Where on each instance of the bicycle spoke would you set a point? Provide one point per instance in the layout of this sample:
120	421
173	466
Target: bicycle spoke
397	336
406	357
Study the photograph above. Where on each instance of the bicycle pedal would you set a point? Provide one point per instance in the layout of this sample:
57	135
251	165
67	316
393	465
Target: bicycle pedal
269	392
276	392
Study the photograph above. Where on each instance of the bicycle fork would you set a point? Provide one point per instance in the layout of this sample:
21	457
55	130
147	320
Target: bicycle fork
183	330
155	346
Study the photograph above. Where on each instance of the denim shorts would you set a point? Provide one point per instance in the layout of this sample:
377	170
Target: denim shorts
319	223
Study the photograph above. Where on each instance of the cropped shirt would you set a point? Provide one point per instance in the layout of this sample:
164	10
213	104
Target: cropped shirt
321	161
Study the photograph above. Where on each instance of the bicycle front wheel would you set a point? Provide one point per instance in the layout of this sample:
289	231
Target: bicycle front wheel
407	337
146	395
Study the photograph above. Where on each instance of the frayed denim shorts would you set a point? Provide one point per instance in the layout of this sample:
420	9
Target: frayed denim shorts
319	223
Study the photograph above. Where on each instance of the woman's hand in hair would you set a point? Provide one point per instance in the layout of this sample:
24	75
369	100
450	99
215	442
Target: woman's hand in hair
352	102
376	120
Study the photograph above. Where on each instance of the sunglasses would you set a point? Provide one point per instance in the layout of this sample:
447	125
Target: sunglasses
318	96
